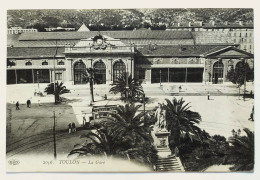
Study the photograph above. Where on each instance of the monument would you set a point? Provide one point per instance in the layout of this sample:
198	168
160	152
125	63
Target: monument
161	133
166	160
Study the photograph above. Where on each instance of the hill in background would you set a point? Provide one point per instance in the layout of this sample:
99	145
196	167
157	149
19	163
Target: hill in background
118	19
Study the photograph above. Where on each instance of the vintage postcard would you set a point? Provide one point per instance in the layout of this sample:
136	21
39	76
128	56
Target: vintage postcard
130	90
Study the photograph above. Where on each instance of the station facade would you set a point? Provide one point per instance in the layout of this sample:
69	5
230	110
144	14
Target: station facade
176	58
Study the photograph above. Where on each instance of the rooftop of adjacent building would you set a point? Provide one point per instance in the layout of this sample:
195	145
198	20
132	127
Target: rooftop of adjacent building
145	50
212	24
140	37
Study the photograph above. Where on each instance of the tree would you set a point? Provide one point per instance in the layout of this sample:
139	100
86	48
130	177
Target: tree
129	125
236	77
129	88
101	143
133	131
181	122
124	134
90	78
240	74
57	91
242	152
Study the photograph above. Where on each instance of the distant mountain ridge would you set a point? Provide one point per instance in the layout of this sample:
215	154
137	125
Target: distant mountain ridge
120	19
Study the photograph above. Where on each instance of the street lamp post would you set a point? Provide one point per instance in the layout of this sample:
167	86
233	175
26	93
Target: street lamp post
38	78
54	136
245	79
144	106
127	86
160	77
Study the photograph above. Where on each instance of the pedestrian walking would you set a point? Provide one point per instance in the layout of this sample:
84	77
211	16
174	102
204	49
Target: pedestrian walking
208	96
69	128
17	105
28	103
73	127
84	120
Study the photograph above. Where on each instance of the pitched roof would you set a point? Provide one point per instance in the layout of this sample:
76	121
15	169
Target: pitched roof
141	34
178	51
228	25
185	25
227	51
83	28
212	37
24	52
13	40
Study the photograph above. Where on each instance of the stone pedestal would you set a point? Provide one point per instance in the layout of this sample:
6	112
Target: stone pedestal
161	143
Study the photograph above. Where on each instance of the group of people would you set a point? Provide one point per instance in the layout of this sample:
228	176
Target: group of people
28	102
72	128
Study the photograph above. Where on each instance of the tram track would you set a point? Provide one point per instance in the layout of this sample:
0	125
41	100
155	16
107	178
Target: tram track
25	146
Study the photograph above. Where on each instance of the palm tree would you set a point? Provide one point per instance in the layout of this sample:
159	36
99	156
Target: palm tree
181	122
57	91
129	125
133	131
101	143
242	152
124	134
90	78
129	88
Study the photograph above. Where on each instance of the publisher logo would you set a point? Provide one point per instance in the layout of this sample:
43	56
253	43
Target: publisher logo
13	162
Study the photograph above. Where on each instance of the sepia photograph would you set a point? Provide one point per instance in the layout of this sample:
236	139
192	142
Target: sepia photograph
130	90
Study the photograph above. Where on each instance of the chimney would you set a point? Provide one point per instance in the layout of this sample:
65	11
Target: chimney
240	23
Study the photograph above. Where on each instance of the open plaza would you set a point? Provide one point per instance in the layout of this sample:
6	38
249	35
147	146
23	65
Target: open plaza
221	114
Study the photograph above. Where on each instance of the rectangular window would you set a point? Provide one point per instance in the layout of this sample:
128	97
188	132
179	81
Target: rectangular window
234	40
239	34
246	34
58	76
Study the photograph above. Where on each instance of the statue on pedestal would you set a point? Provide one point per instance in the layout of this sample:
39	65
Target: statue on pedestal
160	115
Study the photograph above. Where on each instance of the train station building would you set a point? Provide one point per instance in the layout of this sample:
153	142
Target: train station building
149	56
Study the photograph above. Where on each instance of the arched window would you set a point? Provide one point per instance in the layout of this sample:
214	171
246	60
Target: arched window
100	72
60	63
28	63
79	73
44	63
218	69
118	69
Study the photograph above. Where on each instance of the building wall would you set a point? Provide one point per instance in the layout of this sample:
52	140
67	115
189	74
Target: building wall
209	64
244	37
144	65
36	64
89	61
